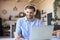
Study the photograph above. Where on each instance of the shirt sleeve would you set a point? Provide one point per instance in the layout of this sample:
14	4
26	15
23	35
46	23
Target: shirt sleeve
18	27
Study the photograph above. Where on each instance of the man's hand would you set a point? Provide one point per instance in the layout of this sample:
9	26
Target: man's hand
17	36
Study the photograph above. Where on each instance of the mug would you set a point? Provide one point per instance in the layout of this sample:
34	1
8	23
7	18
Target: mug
58	35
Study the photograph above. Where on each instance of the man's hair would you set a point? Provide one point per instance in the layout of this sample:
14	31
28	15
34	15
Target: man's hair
30	7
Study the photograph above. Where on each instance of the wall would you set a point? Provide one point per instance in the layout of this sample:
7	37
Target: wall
9	5
58	14
48	7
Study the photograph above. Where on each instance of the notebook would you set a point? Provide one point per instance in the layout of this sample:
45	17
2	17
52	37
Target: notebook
41	33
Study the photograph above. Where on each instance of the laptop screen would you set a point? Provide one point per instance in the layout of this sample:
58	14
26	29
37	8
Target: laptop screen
43	32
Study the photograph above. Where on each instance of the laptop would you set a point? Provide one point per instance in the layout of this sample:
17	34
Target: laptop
41	33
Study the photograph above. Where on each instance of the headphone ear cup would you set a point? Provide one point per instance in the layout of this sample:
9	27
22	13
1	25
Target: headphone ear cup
35	12
25	11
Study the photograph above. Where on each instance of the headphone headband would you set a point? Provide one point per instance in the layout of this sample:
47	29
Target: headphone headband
30	7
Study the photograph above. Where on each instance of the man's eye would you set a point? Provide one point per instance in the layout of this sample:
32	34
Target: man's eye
27	12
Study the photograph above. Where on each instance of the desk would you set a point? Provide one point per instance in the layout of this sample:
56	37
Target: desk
3	38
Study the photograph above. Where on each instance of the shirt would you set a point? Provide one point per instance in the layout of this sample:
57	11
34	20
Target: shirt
23	26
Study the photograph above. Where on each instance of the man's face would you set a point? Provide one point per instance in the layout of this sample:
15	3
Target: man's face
29	13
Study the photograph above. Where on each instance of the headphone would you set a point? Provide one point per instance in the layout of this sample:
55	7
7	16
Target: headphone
30	5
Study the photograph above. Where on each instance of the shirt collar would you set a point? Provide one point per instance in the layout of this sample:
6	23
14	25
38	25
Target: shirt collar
25	18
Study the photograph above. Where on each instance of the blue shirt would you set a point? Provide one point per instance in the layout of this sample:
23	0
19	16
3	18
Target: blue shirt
23	25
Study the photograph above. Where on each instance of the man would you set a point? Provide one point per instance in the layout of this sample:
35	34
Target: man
23	24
